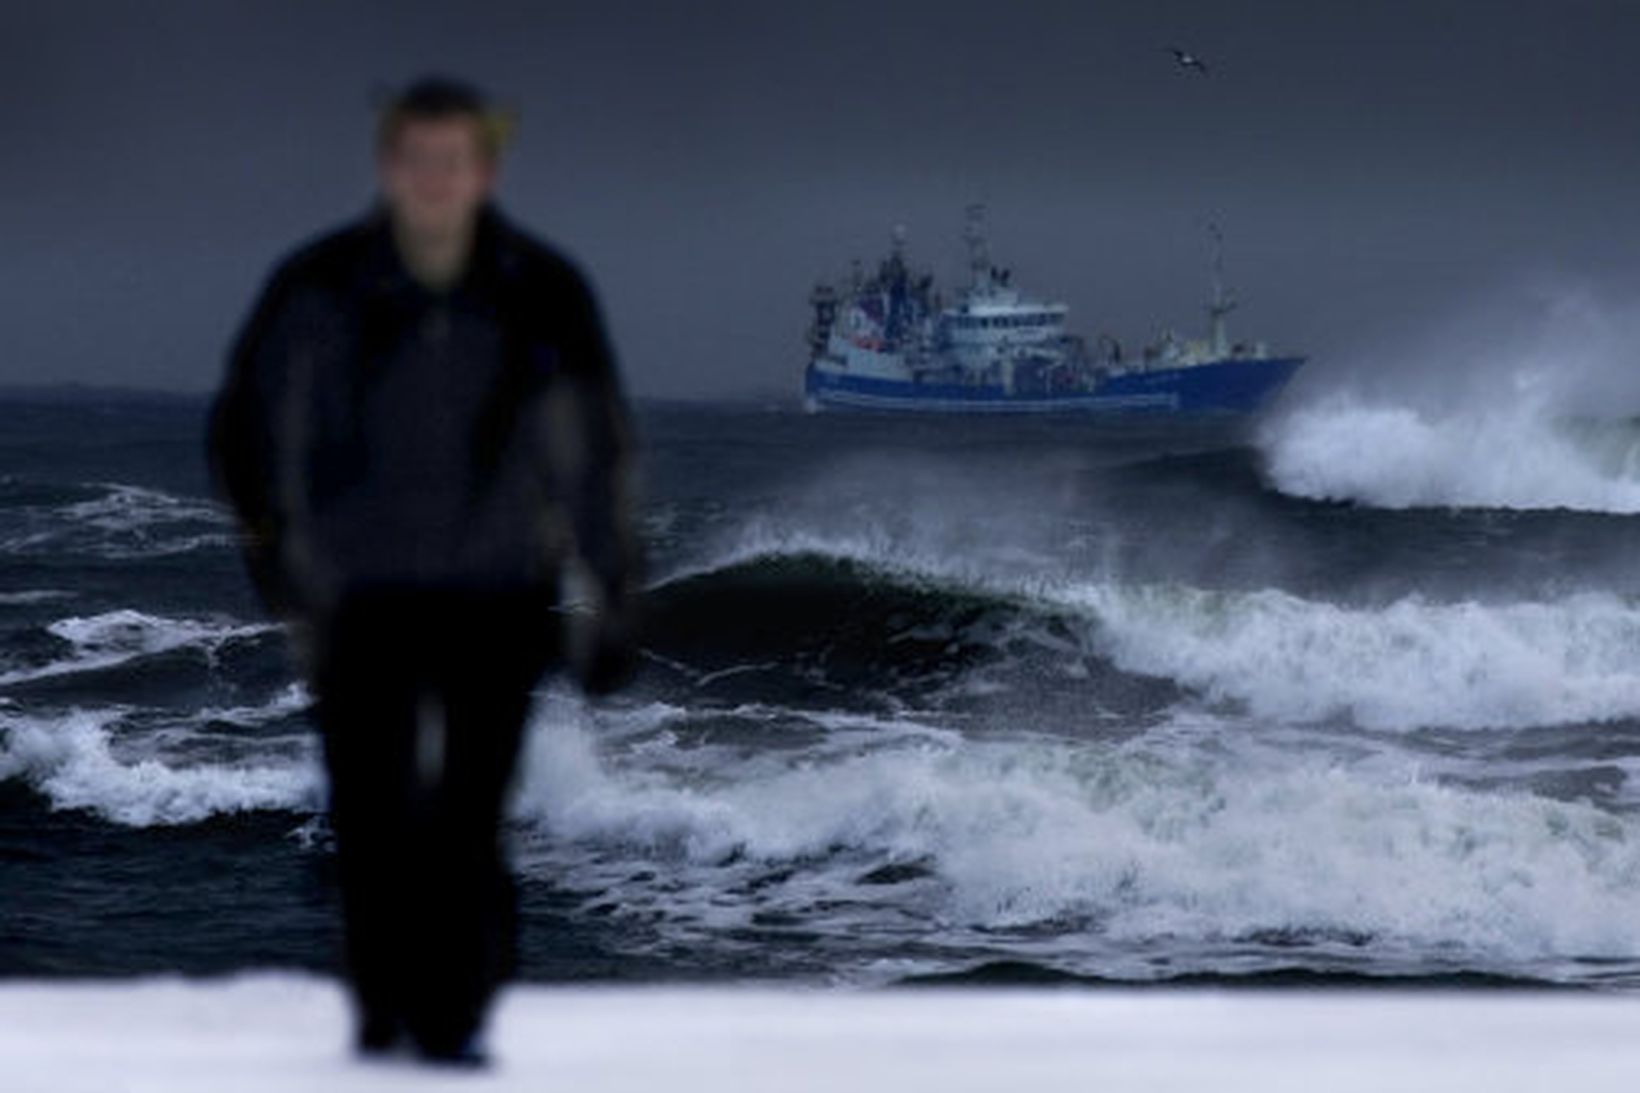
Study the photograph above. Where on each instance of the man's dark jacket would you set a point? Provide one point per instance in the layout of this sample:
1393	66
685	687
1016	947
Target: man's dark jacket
372	434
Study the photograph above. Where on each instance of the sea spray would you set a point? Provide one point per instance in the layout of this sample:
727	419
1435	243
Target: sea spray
1399	457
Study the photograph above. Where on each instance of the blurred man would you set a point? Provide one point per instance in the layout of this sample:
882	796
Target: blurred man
421	432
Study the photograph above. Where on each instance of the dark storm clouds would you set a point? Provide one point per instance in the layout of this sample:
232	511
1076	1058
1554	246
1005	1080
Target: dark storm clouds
1373	165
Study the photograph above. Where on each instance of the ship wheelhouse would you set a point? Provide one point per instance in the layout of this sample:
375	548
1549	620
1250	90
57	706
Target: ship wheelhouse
887	339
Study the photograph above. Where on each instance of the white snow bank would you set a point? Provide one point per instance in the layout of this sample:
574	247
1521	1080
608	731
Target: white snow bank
282	1032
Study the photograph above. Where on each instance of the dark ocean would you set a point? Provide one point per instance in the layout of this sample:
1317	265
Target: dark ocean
1350	695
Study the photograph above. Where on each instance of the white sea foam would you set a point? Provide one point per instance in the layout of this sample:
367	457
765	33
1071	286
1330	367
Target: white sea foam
33	596
1526	398
1152	838
124	522
1411	663
124	507
1408	664
1396	456
117	637
71	760
292	699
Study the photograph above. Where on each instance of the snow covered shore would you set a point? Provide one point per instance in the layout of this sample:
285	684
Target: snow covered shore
286	1032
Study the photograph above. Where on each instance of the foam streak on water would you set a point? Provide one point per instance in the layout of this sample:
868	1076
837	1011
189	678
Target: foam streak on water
117	637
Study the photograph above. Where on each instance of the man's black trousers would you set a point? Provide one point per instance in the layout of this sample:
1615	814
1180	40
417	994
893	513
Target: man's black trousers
422	696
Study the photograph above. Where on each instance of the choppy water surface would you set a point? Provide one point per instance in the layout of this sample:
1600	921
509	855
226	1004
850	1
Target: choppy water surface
1353	695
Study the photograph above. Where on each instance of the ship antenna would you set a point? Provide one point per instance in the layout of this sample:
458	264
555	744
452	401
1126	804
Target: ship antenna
1223	303
979	252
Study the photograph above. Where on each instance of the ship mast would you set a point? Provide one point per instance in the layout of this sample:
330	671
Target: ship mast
1222	303
979	252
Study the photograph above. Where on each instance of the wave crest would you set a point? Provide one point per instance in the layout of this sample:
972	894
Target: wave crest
71	760
1150	840
1395	457
1407	664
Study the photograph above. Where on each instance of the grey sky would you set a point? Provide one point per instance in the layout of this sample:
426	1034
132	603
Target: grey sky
1374	166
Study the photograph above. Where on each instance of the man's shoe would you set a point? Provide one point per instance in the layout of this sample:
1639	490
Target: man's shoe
465	1054
380	1034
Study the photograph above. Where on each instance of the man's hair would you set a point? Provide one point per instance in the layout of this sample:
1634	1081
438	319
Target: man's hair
436	98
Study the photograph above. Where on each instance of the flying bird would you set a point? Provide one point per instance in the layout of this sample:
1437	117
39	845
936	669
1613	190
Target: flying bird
1187	59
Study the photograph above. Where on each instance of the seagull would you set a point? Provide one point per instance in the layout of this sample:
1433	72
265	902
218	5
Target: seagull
1188	59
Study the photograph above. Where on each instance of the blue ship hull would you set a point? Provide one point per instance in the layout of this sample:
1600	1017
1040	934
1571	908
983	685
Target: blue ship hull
1230	387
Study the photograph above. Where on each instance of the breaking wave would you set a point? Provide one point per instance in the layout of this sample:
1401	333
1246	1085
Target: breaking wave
1397	457
1407	664
1060	850
75	762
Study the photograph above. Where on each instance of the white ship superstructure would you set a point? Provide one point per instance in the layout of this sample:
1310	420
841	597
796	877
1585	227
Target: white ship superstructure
889	341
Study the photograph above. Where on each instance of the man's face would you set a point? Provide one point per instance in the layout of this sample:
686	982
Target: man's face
435	174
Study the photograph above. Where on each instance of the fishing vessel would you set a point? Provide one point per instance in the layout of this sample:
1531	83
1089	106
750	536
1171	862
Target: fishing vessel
890	342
